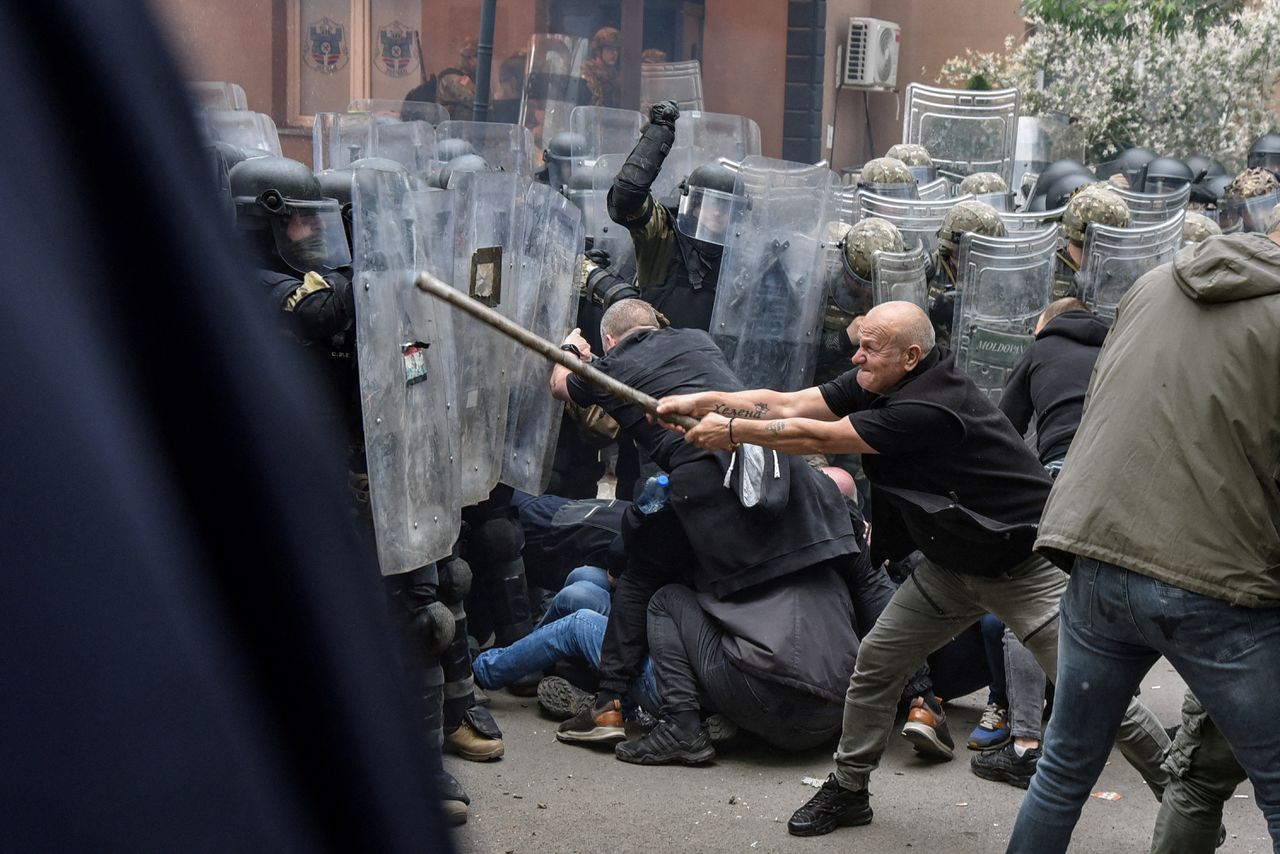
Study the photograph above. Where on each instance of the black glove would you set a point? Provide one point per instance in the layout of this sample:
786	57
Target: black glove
664	113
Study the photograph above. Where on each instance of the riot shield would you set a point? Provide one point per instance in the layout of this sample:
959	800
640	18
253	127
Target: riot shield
845	204
406	382
404	111
486	254
1115	258
934	191
1003	284
1247	215
606	130
604	232
917	219
506	147
217	95
411	144
900	276
1018	221
1154	208
772	287
680	161
546	304
244	128
964	131
1042	140
719	134
553	86
338	139
671	81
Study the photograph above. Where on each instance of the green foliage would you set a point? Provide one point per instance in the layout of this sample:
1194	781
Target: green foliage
1114	19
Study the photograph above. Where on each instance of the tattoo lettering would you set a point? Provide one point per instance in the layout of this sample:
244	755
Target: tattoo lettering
775	428
729	412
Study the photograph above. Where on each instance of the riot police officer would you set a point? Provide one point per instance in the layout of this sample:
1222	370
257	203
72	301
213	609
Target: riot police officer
989	188
888	176
917	159
1092	204
966	216
850	295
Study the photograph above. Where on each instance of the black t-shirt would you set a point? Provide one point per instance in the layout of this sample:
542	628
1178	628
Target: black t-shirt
659	362
899	427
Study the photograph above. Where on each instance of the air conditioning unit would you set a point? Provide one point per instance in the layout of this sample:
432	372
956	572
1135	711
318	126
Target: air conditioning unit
871	55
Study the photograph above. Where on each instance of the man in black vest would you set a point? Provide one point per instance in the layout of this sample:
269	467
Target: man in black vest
950	477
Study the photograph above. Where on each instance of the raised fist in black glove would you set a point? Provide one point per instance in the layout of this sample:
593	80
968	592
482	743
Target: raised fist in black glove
664	113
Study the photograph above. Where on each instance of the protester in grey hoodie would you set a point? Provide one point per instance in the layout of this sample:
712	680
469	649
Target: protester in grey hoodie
1168	508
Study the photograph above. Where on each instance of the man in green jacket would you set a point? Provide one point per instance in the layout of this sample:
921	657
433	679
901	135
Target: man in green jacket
1169	508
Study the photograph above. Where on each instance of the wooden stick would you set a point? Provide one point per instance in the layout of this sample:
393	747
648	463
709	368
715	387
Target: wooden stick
431	285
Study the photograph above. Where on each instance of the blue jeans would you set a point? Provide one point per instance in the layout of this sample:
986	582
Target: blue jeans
1115	625
587	588
577	636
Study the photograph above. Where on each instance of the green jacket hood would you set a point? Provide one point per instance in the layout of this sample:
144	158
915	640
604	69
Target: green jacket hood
1228	268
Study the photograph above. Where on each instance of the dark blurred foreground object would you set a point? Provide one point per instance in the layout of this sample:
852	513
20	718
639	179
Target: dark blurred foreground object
195	650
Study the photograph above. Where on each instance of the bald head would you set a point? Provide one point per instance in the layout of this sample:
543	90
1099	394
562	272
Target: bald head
904	324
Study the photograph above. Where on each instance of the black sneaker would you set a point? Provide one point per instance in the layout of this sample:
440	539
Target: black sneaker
592	725
1006	766
834	806
665	745
560	698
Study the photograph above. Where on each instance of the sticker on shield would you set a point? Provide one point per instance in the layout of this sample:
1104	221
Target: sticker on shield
396	56
486	276
1001	349
415	362
325	46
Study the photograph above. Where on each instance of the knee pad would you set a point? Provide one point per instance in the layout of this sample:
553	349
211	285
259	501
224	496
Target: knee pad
436	627
455	580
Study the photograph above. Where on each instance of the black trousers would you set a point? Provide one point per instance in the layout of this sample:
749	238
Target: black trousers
694	673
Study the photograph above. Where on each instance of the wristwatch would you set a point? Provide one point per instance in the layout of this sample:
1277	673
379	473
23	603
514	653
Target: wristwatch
571	348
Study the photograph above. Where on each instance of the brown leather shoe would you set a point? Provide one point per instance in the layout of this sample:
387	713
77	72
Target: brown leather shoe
594	725
927	730
469	744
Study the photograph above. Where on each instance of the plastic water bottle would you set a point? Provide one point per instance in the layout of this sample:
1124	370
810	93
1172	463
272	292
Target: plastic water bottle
654	496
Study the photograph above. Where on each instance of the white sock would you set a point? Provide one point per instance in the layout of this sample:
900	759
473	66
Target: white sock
1019	750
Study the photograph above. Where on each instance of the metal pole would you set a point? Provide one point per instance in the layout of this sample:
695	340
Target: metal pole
430	284
484	60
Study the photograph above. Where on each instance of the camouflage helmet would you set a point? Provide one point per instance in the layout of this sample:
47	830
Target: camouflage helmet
983	183
868	237
910	154
1197	227
1093	204
968	216
1250	183
886	170
834	232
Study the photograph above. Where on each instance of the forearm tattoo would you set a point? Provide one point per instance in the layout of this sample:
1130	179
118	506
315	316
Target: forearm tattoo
775	428
755	413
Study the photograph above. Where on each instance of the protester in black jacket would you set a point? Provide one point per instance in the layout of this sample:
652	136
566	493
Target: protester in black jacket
1050	381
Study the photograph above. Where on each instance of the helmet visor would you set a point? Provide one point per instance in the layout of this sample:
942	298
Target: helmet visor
310	237
892	191
705	214
1246	214
1265	160
1157	184
1002	202
924	174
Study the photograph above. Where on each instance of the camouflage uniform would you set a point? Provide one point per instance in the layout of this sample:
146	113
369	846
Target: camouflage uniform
1091	204
850	293
455	90
603	78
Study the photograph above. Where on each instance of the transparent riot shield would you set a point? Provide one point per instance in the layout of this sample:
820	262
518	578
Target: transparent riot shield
917	219
680	161
1019	221
606	130
604	232
964	131
900	276
244	128
553	86
546	304
846	204
1115	258
487	246
506	147
934	191
1003	284
338	139
217	95
719	134
772	286
1154	208
1042	140
671	81
405	111
407	376
411	144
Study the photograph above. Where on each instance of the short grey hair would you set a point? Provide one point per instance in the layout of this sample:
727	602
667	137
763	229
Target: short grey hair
625	315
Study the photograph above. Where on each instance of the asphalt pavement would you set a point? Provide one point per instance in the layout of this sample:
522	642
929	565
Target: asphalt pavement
547	796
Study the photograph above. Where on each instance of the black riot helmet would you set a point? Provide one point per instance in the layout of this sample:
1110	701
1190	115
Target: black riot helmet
1052	173
1162	175
706	203
1129	163
1061	190
1204	165
1265	153
280	202
1210	190
581	185
336	184
459	165
564	152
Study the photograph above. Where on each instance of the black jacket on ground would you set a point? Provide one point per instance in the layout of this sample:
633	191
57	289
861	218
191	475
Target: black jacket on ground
735	546
1052	378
